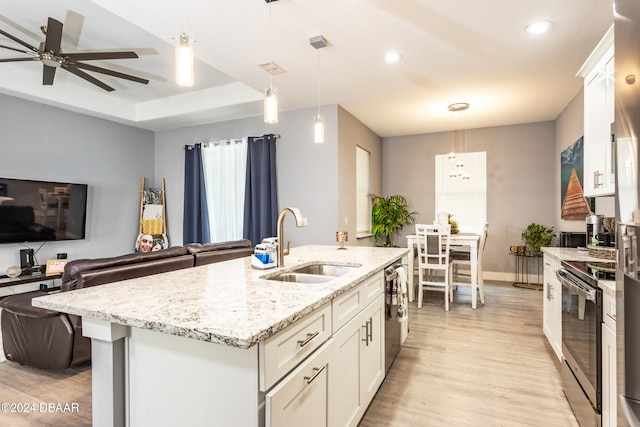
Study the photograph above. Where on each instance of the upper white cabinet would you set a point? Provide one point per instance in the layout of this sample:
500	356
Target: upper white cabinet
598	71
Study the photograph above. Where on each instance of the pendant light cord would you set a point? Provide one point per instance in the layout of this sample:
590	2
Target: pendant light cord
269	44
318	81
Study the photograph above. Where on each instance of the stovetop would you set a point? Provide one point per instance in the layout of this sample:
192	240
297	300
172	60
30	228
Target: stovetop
598	270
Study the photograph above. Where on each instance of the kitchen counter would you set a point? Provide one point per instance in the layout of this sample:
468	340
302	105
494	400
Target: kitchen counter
226	303
230	341
573	254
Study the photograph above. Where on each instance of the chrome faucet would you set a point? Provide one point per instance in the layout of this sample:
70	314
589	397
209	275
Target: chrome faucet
299	223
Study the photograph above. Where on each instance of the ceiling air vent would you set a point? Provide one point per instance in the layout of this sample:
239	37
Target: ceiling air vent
272	68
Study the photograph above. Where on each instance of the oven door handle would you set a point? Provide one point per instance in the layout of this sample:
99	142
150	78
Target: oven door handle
575	285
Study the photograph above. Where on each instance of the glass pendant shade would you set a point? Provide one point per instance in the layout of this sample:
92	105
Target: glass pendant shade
271	104
452	155
184	61
318	129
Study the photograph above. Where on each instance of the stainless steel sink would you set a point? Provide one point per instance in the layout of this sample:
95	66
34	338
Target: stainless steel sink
313	273
326	269
301	278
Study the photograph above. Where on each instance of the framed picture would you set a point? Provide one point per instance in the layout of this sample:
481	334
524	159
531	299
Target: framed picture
55	266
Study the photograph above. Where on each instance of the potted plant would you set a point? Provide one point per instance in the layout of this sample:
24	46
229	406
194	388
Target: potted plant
453	223
388	215
535	236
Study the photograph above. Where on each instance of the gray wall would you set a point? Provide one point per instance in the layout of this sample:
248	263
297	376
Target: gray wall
523	171
307	172
570	127
40	142
521	166
319	179
353	133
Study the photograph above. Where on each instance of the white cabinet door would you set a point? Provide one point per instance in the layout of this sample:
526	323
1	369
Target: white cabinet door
609	408
552	305
301	398
346	401
373	351
599	172
359	368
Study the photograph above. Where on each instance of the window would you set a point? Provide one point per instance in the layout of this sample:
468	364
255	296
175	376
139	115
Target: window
363	205
465	199
225	165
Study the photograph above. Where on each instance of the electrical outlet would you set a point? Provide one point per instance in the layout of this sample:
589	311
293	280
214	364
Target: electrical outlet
346	220
304	221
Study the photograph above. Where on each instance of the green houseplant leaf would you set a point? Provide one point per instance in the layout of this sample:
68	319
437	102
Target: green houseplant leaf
388	215
535	236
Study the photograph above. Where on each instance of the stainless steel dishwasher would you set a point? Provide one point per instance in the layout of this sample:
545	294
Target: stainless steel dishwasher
392	325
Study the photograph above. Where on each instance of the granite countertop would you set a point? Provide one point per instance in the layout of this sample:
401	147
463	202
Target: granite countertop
573	254
227	302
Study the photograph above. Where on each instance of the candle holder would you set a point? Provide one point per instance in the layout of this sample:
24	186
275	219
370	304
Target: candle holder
341	237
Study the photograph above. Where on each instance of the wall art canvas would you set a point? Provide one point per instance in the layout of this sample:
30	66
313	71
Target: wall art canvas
575	206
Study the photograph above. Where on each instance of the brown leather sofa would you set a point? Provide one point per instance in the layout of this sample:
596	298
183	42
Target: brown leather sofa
49	339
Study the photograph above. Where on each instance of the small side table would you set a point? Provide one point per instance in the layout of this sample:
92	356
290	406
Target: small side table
522	271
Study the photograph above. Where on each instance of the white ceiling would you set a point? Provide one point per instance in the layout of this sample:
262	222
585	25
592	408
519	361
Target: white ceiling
474	51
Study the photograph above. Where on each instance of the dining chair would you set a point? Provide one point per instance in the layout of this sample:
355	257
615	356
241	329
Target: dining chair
433	261
48	207
463	258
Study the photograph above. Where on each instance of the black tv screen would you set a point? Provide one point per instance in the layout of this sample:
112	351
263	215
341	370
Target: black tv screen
41	211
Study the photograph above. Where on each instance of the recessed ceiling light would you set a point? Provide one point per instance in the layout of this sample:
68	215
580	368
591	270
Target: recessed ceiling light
393	56
458	106
538	27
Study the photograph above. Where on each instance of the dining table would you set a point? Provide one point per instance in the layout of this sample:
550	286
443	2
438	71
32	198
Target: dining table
467	239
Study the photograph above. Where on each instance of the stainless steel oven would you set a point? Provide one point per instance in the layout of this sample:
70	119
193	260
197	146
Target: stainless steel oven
582	341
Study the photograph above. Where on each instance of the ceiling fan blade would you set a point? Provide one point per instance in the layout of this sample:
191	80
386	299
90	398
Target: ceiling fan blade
89	56
48	73
111	73
17	40
54	36
34	58
74	70
16	50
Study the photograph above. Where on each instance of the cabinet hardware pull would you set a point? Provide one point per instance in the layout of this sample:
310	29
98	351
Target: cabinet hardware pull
370	330
611	317
309	338
366	334
316	372
596	179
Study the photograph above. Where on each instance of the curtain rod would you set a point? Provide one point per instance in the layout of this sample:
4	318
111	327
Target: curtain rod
190	147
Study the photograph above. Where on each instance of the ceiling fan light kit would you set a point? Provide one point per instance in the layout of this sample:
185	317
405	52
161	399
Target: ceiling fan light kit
52	58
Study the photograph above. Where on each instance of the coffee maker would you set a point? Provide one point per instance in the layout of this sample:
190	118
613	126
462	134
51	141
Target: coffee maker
595	228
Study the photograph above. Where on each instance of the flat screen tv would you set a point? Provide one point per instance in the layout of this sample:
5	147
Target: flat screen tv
41	211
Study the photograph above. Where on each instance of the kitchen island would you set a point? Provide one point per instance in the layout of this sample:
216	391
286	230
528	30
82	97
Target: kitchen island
210	345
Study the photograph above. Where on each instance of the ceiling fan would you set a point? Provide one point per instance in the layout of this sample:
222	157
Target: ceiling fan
52	58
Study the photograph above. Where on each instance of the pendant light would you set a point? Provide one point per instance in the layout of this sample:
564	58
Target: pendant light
458	137
184	53
184	60
318	42
270	92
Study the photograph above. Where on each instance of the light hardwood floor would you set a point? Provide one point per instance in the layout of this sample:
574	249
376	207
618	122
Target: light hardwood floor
486	367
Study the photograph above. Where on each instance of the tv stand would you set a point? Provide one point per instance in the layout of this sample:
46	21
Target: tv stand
26	278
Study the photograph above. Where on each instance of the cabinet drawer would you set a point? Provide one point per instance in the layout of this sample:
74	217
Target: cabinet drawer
281	353
301	398
346	306
609	310
551	264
